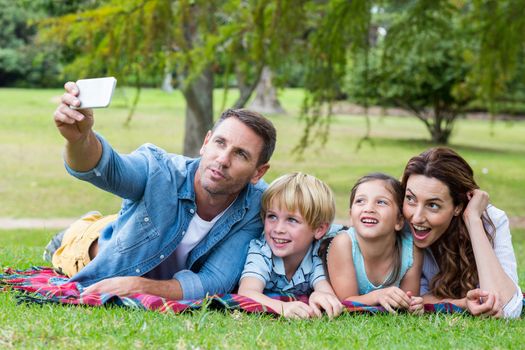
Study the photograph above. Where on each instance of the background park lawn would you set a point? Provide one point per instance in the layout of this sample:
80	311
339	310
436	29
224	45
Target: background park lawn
34	184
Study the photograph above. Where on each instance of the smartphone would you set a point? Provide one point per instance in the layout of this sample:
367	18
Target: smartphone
95	93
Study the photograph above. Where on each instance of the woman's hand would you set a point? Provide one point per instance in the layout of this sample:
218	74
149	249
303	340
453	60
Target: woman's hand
484	303
478	201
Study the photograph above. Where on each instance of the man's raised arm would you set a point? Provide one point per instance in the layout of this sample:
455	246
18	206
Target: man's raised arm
83	149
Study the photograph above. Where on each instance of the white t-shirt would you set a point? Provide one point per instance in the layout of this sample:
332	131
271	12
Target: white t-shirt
196	231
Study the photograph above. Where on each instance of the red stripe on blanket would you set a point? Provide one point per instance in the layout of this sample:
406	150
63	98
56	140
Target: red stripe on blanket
44	285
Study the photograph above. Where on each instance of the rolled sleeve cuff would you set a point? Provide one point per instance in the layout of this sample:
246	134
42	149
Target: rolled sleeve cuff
191	284
97	170
514	307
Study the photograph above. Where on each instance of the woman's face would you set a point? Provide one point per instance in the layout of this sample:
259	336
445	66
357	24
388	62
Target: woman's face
428	208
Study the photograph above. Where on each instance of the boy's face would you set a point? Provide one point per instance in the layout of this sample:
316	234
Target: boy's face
289	235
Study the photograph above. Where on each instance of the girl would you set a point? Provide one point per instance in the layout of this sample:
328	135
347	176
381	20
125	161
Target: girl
468	256
374	262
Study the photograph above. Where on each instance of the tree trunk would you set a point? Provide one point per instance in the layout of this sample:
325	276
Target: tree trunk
245	89
439	133
166	82
266	101
440	137
199	112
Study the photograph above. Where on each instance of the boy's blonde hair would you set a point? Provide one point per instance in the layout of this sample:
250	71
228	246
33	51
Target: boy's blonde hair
304	193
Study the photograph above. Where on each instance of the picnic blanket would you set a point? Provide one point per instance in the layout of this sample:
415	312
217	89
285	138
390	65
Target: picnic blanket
44	285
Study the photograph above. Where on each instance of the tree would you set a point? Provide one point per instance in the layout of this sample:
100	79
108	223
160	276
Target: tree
24	61
265	100
341	32
134	39
501	37
435	58
21	63
139	40
420	66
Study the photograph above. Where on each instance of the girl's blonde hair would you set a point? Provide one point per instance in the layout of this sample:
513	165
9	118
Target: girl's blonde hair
304	193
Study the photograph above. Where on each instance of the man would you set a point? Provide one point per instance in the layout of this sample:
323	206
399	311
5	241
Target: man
185	224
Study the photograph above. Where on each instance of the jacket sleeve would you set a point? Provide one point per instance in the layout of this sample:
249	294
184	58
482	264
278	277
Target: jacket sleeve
122	175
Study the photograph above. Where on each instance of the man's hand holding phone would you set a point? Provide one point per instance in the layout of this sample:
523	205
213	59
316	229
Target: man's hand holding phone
75	122
74	116
72	124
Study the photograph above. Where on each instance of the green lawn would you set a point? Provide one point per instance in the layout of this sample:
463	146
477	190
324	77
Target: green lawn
61	327
34	184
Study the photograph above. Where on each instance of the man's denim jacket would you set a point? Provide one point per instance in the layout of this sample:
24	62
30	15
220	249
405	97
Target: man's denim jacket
159	202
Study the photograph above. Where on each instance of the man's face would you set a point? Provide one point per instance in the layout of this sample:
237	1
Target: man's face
229	158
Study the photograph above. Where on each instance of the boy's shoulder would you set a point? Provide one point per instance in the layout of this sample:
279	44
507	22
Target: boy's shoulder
261	247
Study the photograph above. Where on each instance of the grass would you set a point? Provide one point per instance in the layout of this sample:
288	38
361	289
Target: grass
61	327
34	184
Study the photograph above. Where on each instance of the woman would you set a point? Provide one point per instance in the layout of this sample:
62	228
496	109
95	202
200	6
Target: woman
469	260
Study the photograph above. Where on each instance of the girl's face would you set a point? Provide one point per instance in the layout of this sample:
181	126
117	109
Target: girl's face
428	208
374	212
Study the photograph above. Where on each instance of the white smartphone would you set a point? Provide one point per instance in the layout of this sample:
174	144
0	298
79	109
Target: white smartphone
95	93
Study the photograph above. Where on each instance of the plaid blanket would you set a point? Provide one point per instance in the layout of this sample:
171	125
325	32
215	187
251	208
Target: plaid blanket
44	285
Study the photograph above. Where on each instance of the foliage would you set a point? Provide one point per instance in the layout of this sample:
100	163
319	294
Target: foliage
502	31
512	101
196	39
145	37
420	66
20	62
23	60
435	58
475	45
342	28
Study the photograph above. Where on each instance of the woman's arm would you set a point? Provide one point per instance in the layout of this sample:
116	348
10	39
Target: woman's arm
492	277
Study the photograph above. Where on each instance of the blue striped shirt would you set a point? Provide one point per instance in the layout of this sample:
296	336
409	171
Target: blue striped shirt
263	265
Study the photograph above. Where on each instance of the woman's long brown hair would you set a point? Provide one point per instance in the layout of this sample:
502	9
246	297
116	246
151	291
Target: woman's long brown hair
453	250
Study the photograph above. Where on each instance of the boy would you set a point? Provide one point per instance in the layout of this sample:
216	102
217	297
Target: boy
297	210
